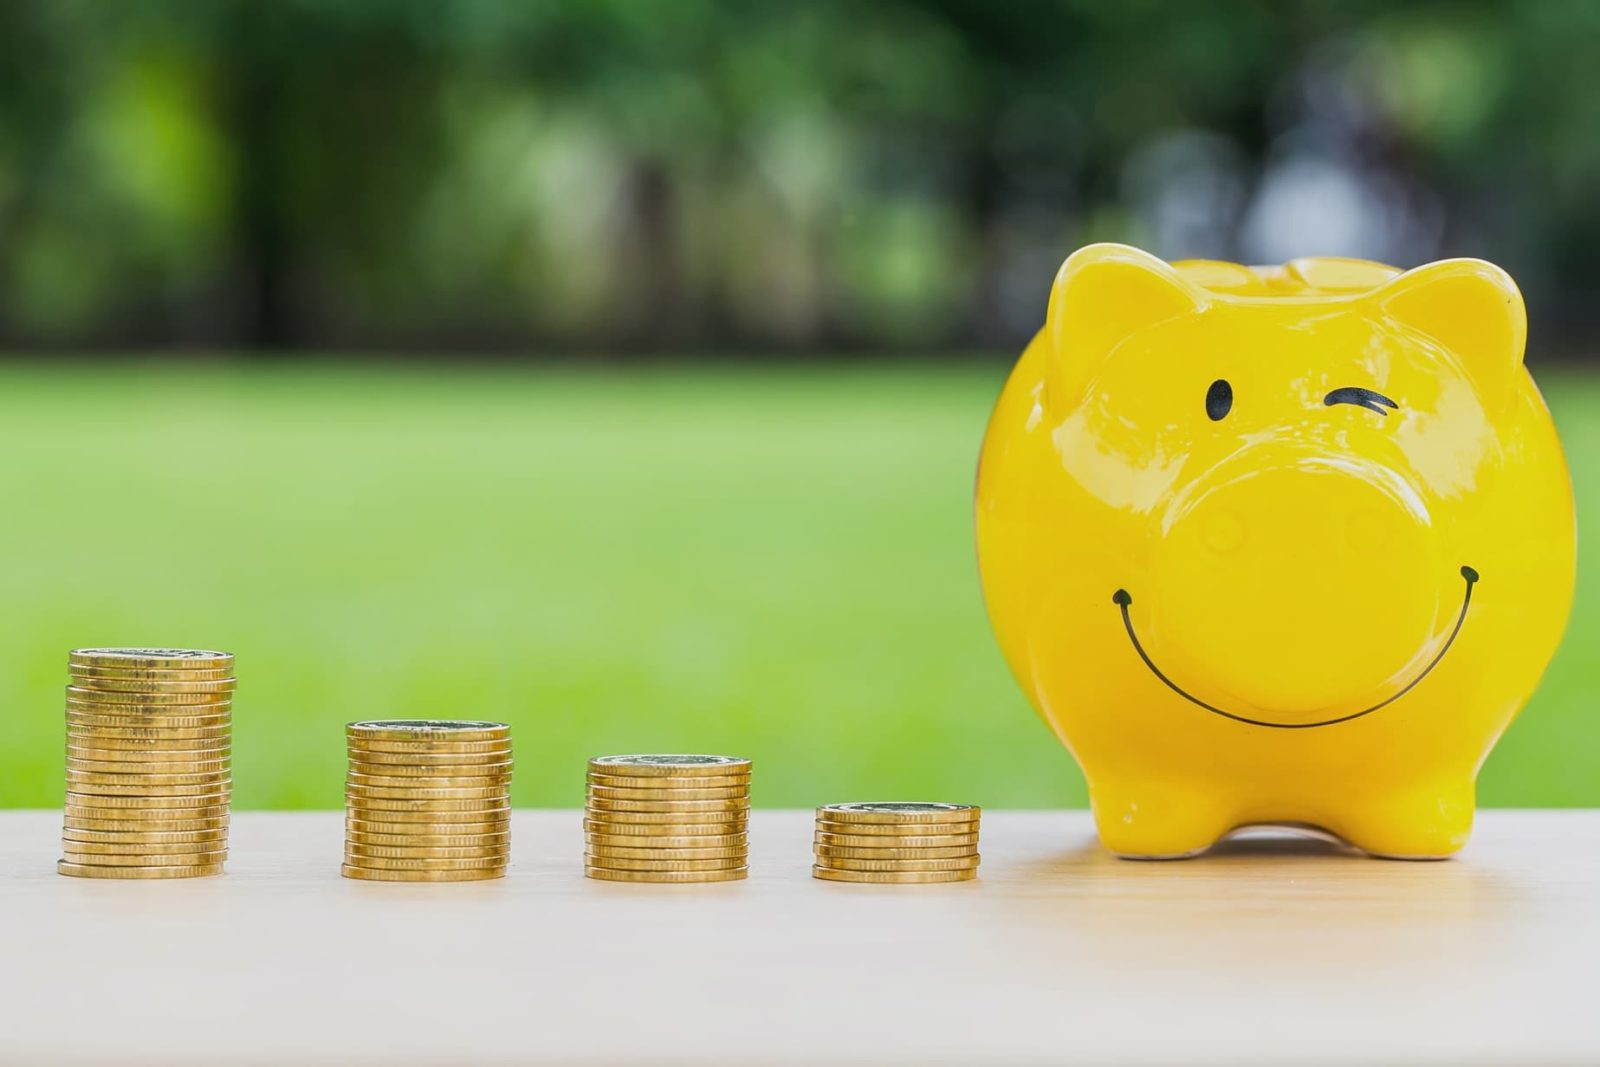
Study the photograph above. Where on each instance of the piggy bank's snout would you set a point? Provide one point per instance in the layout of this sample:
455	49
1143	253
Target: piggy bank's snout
1342	524
1298	589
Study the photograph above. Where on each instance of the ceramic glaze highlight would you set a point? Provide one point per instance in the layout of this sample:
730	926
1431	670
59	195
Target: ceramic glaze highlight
1280	545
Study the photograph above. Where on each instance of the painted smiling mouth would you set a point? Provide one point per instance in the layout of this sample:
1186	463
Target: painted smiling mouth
1122	600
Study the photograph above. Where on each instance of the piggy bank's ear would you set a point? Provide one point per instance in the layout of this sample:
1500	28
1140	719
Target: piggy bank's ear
1102	294
1470	307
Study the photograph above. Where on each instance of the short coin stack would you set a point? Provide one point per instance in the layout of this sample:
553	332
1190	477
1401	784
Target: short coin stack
427	801
149	732
898	842
667	818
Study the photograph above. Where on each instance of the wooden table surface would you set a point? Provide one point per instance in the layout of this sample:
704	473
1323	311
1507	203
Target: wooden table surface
1268	951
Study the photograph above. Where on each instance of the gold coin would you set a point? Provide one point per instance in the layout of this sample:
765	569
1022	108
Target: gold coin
119	769
138	688
381	775
445	838
883	829
602	852
154	707
738	804
155	827
90	870
429	822
214	793
362	813
153	674
829	874
494	793
204	747
422	773
718	819
145	807
478	805
138	733
363	837
658	842
171	658
482	874
380	823
607	792
95	749
442	822
389	781
148	784
831	852
139	727
149	767
668	829
94	746
676	782
468	750
896	841
162	735
358	851
77	847
424	791
843	863
385	863
188	859
105	715
140	824
166	784
418	763
129	717
96	698
97	800
618	863
669	765
428	730
144	837
898	812
604	874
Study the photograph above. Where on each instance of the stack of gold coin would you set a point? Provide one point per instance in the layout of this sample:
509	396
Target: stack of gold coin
897	842
149	732
667	819
427	801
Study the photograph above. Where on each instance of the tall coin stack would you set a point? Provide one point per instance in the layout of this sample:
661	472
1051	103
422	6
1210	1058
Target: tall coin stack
427	801
667	819
149	732
897	842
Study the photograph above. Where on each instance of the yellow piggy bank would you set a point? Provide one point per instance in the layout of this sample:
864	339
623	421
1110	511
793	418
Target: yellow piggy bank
1279	545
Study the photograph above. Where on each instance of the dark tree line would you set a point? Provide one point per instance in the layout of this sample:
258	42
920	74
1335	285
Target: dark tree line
751	176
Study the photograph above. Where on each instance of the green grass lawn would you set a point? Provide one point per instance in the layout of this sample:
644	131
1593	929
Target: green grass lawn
776	563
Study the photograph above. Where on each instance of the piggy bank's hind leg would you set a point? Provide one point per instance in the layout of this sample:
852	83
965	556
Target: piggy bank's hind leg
1158	820
1417	823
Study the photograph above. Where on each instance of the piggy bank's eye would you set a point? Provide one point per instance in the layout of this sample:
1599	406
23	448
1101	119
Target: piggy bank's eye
1219	400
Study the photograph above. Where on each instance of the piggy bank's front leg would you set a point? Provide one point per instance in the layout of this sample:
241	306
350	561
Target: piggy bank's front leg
1158	819
1415	822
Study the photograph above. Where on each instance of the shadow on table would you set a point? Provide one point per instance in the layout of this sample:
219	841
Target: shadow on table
1278	875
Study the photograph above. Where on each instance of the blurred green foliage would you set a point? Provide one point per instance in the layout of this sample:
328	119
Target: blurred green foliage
644	176
776	563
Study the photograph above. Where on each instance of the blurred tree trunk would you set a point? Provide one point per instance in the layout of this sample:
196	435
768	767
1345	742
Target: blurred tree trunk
648	260
260	245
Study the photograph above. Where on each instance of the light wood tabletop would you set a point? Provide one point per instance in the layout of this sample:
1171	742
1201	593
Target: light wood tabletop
1269	950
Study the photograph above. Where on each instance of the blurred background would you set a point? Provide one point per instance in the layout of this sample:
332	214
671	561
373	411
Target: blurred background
618	368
